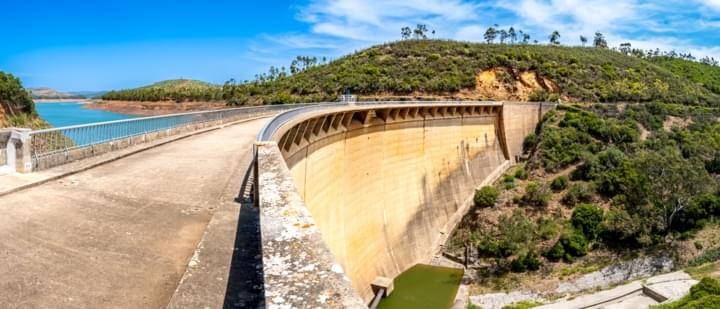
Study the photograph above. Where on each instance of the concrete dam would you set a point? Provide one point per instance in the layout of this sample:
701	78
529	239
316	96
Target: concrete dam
370	190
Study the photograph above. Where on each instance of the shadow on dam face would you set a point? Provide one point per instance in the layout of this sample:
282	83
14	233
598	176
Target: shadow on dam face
385	187
381	194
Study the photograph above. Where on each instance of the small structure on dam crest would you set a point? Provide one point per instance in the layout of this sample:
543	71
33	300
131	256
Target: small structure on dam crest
349	193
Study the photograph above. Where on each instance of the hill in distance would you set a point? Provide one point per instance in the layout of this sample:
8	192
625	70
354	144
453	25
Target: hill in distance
49	93
438	69
88	94
169	90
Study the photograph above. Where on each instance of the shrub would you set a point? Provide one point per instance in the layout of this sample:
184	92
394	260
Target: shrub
517	199
539	95
508	182
574	244
587	219
536	194
559	183
486	197
521	173
555	253
709	256
528	261
507	237
530	142
525	304
579	192
546	228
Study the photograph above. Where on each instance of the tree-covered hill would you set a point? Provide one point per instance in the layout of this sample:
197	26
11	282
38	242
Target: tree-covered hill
454	69
417	69
169	90
16	105
706	75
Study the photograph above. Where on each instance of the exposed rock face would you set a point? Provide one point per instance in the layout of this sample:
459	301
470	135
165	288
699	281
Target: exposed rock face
500	300
604	278
614	274
506	84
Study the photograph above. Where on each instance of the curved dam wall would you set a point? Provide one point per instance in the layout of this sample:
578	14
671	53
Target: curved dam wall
385	184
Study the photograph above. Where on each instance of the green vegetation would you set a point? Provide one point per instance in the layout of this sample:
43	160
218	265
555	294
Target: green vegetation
16	105
521	174
658	187
525	262
178	90
526	304
580	192
422	67
708	256
574	244
703	74
587	218
559	183
512	234
486	197
536	194
705	294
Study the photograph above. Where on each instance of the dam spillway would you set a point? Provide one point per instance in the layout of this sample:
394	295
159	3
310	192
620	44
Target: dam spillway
385	183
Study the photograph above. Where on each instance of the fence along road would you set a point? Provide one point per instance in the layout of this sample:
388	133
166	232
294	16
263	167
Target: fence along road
56	146
122	234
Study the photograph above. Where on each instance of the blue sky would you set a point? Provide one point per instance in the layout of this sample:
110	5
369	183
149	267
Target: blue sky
99	45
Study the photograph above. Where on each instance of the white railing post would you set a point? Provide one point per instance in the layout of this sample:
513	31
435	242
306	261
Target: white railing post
17	151
20	143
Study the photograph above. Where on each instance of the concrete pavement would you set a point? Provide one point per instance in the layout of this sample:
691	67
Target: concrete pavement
120	235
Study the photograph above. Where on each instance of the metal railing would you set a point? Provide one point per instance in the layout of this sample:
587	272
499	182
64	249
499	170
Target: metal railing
51	141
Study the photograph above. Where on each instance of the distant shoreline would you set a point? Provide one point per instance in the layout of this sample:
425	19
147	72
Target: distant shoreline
83	101
143	108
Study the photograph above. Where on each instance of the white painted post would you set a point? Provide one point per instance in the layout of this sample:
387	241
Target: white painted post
19	140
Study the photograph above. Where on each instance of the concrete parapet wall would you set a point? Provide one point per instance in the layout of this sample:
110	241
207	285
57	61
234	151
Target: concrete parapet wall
299	269
386	185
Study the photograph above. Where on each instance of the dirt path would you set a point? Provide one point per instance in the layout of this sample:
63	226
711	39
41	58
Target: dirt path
119	235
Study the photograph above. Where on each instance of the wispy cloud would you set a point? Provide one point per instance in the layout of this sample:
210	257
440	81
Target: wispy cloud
713	4
670	24
337	27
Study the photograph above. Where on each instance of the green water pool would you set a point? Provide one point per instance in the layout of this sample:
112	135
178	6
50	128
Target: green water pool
424	286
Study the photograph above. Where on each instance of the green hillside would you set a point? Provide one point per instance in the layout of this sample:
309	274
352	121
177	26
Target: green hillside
449	67
417	69
169	90
16	105
703	74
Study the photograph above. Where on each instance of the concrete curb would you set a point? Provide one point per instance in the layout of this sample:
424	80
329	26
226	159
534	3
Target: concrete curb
119	156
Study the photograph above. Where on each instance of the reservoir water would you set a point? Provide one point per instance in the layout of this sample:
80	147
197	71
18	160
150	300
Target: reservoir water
61	114
424	286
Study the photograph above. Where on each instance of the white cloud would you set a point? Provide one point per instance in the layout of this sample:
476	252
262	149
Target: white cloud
713	4
378	20
338	27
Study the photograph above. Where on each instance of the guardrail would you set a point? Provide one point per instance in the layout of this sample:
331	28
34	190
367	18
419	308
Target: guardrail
279	120
64	140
